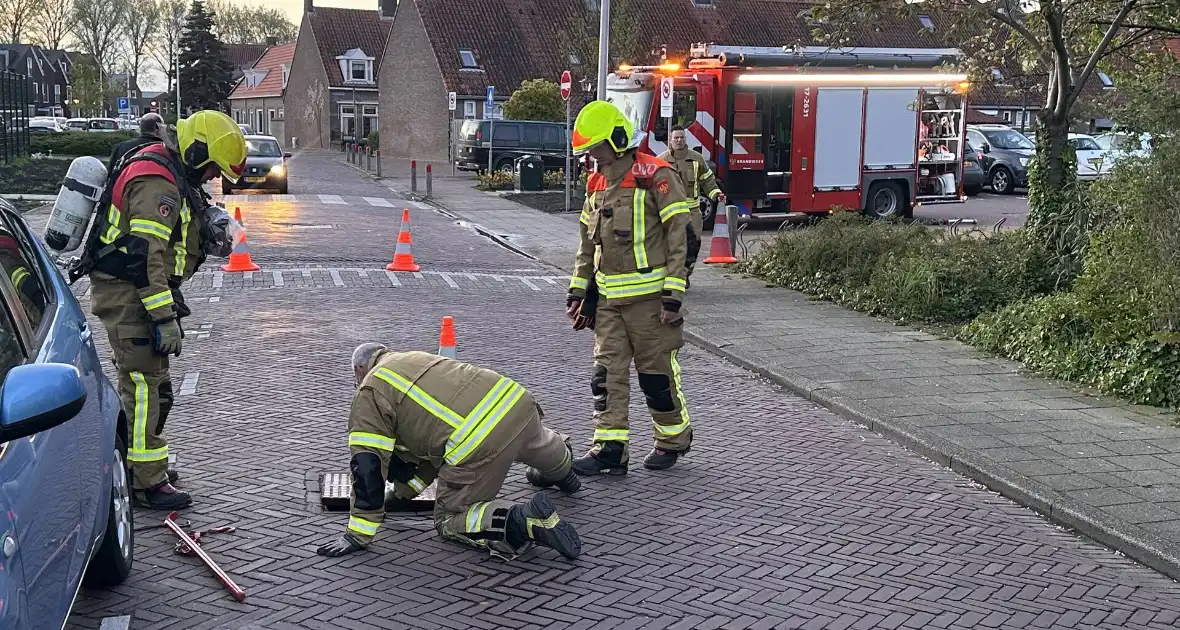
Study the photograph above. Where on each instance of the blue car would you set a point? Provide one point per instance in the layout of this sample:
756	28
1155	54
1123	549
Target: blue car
65	509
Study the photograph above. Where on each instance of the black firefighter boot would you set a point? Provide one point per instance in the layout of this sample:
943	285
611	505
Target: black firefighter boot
604	458
568	484
162	497
537	521
661	459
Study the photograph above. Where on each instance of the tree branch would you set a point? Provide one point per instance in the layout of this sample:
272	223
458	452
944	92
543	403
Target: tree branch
1147	27
1026	34
1100	51
1061	65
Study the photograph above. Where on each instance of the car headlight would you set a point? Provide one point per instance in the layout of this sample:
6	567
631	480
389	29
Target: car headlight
277	169
1024	161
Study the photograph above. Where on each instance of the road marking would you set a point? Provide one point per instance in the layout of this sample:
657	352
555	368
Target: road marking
529	284
278	276
447	279
549	280
418	275
189	386
214	299
307	273
335	200
378	202
115	623
218	278
336	279
393	278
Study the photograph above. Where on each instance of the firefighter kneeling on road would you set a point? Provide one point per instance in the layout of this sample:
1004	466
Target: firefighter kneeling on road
697	178
153	230
417	417
634	229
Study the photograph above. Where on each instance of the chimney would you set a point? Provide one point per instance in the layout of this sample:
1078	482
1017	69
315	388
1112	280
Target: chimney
272	41
386	9
308	7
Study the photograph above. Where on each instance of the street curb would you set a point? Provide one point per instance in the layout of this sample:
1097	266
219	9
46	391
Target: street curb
1114	533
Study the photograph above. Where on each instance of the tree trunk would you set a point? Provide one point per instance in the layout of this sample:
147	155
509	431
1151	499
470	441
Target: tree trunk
1052	172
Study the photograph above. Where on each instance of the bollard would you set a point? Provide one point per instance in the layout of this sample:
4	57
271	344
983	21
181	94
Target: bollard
429	181
351	154
368	159
731	219
378	164
413	176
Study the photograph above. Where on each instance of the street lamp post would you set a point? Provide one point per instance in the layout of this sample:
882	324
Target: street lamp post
180	30
603	46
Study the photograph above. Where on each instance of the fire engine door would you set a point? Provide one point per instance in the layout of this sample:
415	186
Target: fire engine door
778	131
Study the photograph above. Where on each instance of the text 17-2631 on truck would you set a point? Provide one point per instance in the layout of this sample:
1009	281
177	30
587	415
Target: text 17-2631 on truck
795	131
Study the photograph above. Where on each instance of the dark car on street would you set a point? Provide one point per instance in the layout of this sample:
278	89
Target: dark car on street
512	139
1006	154
974	176
266	166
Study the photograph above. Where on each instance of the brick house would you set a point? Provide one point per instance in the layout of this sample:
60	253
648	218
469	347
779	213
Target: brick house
49	76
332	91
244	56
257	99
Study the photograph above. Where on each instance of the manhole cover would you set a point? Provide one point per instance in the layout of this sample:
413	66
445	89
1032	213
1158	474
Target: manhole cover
336	490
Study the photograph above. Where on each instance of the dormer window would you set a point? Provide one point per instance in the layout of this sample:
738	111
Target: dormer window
356	66
704	3
927	23
467	58
1107	82
286	75
358	71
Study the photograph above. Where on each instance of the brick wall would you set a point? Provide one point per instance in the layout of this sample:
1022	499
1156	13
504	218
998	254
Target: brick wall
308	111
413	112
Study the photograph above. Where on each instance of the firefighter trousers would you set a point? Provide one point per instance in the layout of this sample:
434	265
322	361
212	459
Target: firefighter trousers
144	382
466	509
633	333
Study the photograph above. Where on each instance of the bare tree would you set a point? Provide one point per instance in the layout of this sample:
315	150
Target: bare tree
52	23
99	26
243	24
166	43
16	17
144	19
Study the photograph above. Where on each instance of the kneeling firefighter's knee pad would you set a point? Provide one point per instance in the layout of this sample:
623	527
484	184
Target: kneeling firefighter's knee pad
367	481
598	387
657	389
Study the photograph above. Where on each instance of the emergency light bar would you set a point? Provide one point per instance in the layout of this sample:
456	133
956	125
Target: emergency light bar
897	79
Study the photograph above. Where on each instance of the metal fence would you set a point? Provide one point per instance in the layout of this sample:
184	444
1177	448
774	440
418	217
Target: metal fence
15	101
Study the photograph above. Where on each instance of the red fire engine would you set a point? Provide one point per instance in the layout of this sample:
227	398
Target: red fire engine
803	130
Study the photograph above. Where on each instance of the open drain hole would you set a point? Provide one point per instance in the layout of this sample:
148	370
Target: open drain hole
335	490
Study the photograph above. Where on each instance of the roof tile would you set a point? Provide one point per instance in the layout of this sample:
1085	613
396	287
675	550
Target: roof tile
272	85
339	30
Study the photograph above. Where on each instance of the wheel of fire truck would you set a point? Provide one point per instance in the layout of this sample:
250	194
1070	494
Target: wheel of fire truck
887	200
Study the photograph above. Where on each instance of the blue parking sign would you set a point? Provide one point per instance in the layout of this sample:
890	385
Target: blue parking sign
124	105
491	100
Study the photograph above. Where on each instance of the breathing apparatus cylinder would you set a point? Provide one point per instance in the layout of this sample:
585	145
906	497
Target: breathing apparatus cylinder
74	207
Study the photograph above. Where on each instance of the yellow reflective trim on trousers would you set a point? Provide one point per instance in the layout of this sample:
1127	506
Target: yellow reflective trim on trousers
673	283
373	440
151	228
437	409
639	227
416	484
112	232
696	178
475	517
139	415
360	525
18	276
159	300
612	435
676	429
579	283
186	217
485	427
477	415
150	455
675	208
548	522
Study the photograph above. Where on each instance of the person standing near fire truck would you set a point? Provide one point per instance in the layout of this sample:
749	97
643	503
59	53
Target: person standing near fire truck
697	178
631	263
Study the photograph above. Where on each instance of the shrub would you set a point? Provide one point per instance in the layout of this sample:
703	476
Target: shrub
32	176
78	143
556	179
374	140
496	180
536	99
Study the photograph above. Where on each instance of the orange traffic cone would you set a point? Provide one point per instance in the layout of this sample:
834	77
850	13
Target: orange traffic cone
446	339
719	251
239	258
403	258
238	216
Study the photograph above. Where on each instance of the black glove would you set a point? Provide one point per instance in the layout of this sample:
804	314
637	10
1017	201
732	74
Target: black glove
346	544
401	470
585	317
672	306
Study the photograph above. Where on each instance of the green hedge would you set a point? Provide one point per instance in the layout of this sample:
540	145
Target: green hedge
33	177
78	142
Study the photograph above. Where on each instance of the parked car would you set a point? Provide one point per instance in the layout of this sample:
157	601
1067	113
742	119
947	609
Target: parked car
1006	154
266	166
1119	145
77	124
65	509
513	139
103	125
246	130
974	176
45	123
1093	160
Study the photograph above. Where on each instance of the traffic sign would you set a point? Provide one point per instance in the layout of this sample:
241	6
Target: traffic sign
566	84
124	105
491	99
452	101
666	97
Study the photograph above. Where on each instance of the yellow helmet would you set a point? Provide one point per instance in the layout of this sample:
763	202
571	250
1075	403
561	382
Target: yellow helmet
210	136
601	121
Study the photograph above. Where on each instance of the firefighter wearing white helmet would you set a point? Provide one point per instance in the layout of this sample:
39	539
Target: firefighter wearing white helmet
153	229
628	285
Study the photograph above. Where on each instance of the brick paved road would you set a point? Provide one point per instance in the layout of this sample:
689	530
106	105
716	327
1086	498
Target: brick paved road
784	516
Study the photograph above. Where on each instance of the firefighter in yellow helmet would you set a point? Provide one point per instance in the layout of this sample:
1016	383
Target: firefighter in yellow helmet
628	285
153	229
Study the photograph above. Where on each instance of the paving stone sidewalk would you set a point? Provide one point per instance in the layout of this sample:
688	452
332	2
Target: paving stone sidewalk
1109	469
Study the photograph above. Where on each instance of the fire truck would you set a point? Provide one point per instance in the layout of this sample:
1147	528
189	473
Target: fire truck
795	131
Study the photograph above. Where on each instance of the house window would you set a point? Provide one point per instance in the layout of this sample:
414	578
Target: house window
30	60
703	3
358	71
69	92
280	113
1007	116
347	121
236	114
469	109
927	23
259	122
1107	83
57	93
368	120
467	58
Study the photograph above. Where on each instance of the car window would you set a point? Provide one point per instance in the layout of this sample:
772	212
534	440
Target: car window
25	276
532	135
1008	139
11	354
263	148
1085	144
506	133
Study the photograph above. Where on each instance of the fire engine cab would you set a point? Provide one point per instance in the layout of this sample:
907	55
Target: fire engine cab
796	131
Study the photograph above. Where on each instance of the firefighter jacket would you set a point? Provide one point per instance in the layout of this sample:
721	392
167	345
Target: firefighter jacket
633	232
148	232
695	173
436	410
